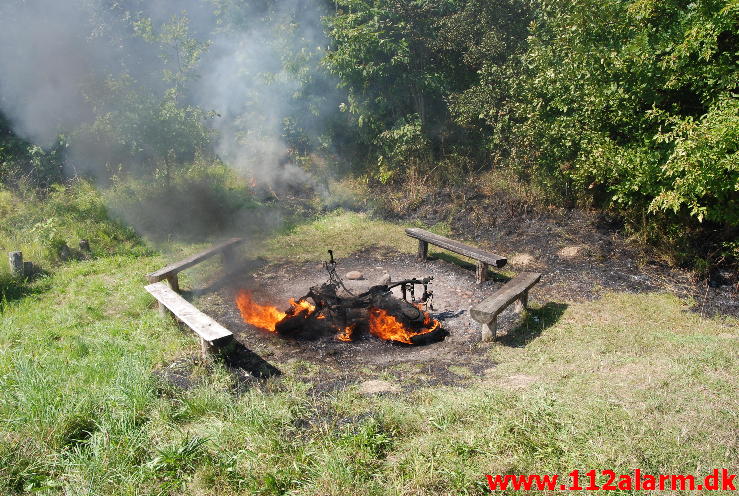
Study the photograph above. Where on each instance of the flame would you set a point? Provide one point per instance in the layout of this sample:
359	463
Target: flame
347	335
266	316
385	326
381	323
302	306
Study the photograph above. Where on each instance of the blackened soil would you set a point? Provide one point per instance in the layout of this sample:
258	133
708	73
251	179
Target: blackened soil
580	253
455	359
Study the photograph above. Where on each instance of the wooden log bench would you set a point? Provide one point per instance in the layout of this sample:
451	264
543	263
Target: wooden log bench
211	333
171	271
517	289
482	257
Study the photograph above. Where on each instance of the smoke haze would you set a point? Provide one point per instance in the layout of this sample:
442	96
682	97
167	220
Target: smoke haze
77	68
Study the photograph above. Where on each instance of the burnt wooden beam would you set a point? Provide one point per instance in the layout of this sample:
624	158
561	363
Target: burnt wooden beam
517	289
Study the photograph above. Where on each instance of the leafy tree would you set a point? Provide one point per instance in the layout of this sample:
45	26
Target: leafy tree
634	103
23	164
402	64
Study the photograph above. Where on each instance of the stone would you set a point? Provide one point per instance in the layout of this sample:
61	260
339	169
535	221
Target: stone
377	386
65	254
522	259
570	251
385	279
354	275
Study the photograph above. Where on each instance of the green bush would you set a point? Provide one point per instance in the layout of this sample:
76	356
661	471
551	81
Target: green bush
631	104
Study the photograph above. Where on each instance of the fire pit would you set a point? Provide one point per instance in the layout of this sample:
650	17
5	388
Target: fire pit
339	332
332	310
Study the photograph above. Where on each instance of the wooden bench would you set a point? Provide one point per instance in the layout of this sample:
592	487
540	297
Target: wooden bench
483	257
226	249
209	331
517	289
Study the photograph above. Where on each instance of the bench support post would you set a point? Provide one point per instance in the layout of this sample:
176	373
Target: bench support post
206	349
482	272
522	304
163	310
228	258
174	282
489	330
423	250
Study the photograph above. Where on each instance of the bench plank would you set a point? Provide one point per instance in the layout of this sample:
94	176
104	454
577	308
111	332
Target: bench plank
486	311
208	329
457	247
174	268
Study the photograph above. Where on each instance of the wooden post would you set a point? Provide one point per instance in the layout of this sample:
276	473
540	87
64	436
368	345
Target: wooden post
15	258
228	258
174	282
489	330
522	303
482	272
206	349
64	253
163	310
423	250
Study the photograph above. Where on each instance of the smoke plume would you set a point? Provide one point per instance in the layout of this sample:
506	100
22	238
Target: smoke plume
80	69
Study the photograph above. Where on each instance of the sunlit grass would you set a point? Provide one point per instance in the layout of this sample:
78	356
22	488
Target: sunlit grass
628	381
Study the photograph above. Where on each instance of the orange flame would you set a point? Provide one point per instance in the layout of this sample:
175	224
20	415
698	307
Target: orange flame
347	335
385	326
381	323
266	316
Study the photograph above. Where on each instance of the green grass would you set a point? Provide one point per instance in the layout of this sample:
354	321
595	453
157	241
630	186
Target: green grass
628	381
344	232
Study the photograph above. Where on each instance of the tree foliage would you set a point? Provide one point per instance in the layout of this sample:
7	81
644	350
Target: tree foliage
635	102
627	105
409	69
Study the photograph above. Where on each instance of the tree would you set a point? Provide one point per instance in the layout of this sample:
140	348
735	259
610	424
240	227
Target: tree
634	102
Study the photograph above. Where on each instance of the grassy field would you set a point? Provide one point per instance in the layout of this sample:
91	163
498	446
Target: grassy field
629	381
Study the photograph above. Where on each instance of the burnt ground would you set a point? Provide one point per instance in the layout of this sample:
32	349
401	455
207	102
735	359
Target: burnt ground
453	360
581	255
574	275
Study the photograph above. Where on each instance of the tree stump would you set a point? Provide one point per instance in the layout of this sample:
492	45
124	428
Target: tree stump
15	258
65	254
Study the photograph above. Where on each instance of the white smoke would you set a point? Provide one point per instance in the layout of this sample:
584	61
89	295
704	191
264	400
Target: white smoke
58	58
